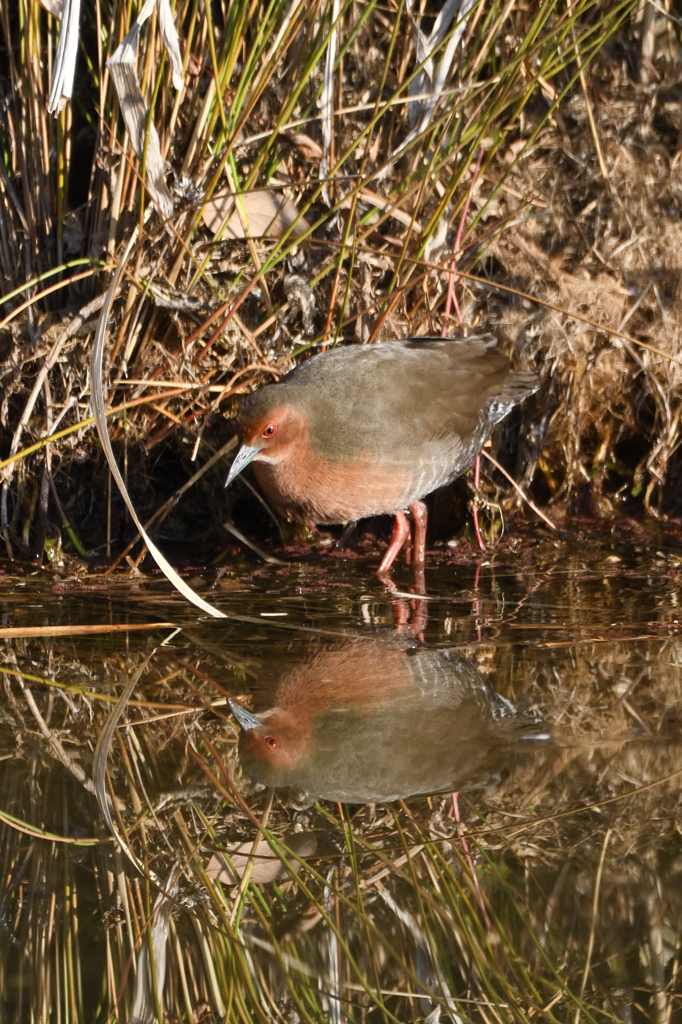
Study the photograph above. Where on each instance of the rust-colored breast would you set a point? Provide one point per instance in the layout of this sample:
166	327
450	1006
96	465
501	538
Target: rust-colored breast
306	488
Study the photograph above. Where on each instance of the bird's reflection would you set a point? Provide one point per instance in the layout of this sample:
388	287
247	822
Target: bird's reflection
371	721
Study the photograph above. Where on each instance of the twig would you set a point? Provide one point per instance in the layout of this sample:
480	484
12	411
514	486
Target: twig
590	113
82	424
472	869
248	867
517	488
14	632
593	923
55	288
270	559
54	743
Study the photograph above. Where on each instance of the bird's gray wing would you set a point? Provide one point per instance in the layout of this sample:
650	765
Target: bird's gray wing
398	396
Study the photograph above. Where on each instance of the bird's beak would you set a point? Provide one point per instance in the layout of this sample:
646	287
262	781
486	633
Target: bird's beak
245	719
244	456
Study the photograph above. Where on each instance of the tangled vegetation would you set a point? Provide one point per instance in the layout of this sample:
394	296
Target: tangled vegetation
325	174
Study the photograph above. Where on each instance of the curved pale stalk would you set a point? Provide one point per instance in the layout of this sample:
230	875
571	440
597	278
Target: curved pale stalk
97	395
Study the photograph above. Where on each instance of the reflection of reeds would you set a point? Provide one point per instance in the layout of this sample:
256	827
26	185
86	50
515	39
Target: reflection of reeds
383	919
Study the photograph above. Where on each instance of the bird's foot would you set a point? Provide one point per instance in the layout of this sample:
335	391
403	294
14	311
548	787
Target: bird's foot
401	531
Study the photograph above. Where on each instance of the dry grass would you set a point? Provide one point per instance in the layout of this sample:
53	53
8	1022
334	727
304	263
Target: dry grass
606	248
510	141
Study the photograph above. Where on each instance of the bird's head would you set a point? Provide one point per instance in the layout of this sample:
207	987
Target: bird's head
271	426
275	740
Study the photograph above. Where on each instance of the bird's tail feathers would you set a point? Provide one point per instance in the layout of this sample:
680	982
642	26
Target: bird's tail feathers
518	386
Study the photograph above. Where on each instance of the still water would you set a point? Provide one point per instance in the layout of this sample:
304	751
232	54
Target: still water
345	804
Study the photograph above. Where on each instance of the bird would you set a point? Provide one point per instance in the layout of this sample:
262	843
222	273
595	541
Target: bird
362	430
366	720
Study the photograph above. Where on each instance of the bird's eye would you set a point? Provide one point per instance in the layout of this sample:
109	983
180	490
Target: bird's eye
270	430
272	742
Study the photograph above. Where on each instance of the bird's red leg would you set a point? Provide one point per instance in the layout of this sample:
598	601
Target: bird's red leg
401	531
419	517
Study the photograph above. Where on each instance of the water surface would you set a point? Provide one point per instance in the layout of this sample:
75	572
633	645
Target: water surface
465	808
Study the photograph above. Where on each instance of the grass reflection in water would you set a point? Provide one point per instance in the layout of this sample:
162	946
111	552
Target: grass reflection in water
556	895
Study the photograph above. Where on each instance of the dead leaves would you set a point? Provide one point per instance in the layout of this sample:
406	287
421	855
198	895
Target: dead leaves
122	66
267	866
255	215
